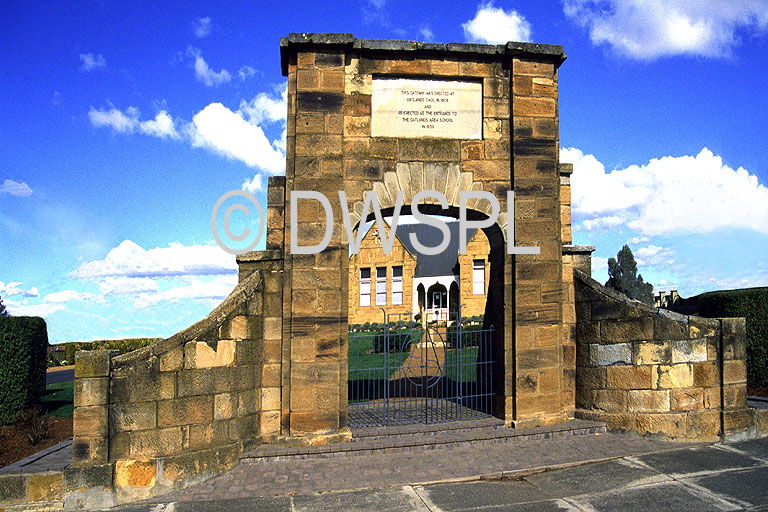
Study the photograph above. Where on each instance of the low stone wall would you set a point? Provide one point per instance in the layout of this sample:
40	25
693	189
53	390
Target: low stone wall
176	412
653	371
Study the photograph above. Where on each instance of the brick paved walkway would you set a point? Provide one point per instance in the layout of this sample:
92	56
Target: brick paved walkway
270	477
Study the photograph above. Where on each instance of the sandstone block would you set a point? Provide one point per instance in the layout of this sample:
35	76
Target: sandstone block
185	411
648	401
88	450
705	374
591	378
92	363
133	416
687	351
629	377
703	426
90	421
606	355
671	425
45	487
203	381
686	399
609	400
734	395
675	376
738	420
12	489
270	399
224	406
154	443
91	391
734	372
172	360
630	329
208	435
135	473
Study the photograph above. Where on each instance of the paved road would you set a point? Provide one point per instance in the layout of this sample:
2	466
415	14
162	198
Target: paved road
56	376
701	478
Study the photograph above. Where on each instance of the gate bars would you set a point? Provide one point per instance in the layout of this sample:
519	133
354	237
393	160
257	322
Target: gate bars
427	371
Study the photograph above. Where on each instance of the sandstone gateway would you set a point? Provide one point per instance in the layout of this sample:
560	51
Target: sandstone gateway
270	364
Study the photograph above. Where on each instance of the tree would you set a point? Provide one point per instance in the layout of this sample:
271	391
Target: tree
623	276
3	311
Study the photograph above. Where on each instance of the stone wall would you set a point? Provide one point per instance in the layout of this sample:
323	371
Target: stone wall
657	372
330	147
180	410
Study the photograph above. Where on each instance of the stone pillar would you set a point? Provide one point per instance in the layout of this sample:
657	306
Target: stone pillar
536	282
315	286
90	446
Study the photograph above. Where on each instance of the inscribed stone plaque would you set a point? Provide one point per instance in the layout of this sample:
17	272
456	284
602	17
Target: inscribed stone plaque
446	109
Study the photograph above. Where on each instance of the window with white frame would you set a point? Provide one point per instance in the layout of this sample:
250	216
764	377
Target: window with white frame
397	285
478	277
365	286
381	286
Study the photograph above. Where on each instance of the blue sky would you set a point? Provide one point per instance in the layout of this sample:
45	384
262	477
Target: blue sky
121	124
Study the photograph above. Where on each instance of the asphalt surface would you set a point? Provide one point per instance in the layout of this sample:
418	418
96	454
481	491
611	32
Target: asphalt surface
694	478
56	376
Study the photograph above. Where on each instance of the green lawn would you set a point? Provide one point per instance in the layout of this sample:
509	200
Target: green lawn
365	364
59	399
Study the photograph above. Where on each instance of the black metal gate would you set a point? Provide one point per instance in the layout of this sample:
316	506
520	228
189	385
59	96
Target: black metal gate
439	368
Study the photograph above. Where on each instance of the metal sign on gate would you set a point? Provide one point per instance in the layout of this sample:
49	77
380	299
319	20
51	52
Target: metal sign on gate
438	368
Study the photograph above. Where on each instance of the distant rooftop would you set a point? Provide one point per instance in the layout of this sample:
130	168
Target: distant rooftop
297	40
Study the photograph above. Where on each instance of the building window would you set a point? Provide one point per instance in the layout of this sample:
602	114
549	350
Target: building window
381	286
365	287
397	285
478	277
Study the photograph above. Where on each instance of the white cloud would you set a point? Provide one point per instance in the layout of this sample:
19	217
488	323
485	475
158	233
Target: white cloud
635	240
266	108
205	74
69	296
246	72
162	126
427	34
89	62
496	26
654	255
202	27
215	290
254	185
599	265
12	290
127	285
602	223
234	134
25	309
15	188
219	129
668	195
130	260
649	29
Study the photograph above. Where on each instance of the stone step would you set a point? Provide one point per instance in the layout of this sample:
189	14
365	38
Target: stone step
423	437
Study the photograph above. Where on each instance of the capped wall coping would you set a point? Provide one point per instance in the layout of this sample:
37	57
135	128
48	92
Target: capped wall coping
295	40
578	249
565	169
267	255
614	294
228	308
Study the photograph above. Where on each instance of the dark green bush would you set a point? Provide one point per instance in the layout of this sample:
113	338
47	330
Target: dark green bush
752	304
23	355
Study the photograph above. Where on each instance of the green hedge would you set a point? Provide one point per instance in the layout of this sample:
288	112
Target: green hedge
752	304
23	355
124	346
